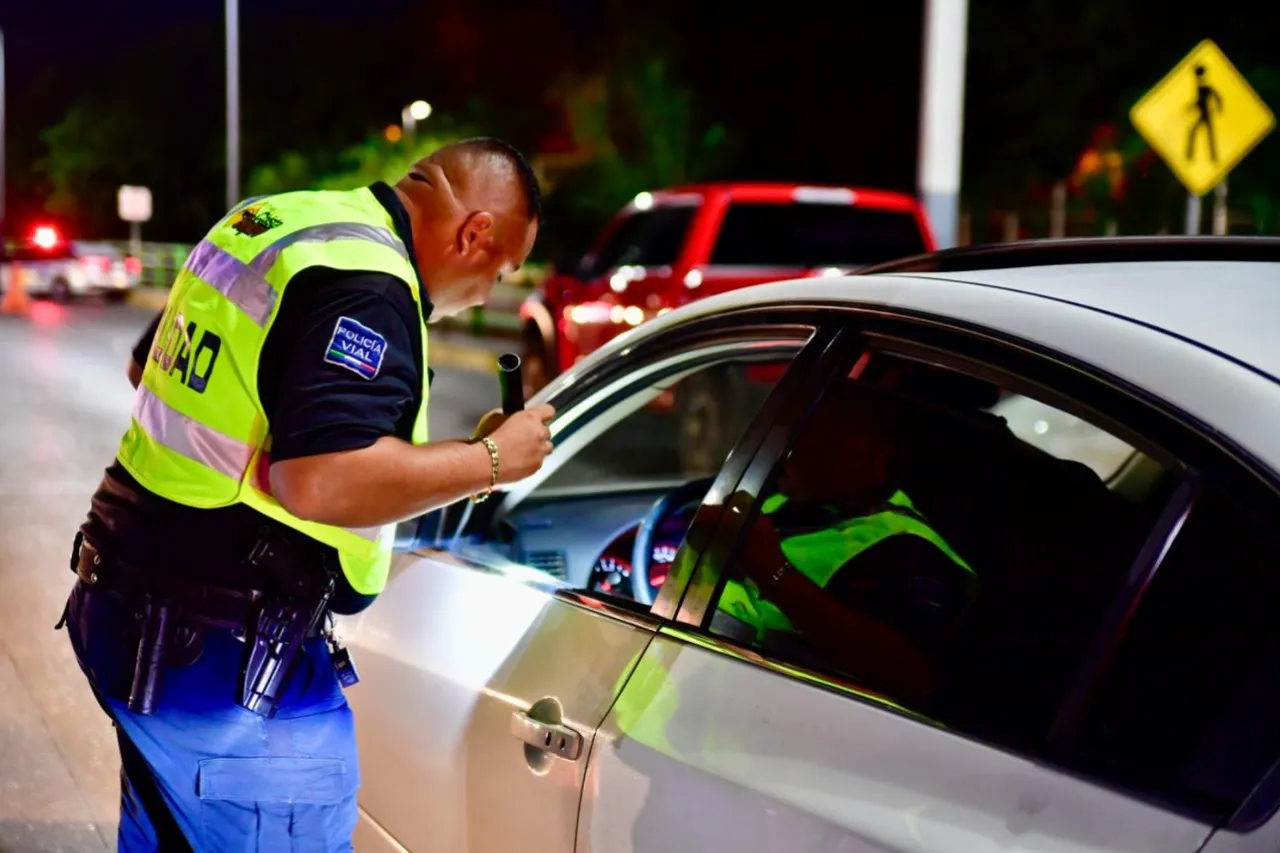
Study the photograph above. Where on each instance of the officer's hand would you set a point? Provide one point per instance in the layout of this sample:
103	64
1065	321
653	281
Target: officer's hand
523	441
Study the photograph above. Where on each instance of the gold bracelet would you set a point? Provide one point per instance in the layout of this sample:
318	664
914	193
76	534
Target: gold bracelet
493	469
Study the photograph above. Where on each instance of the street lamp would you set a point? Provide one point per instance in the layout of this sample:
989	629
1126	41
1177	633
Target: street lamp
411	115
1	143
233	102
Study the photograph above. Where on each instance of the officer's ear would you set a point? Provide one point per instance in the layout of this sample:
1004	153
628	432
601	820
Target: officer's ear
475	234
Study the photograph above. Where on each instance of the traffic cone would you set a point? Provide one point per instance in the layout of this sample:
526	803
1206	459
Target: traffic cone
16	300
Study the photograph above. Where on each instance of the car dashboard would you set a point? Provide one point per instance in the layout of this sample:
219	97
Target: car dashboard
587	541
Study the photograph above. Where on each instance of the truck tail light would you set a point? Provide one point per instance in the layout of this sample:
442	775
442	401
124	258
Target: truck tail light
133	266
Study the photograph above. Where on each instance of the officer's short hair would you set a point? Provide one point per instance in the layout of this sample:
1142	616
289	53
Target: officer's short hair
529	185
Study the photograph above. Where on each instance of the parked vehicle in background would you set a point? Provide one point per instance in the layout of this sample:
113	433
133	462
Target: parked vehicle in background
64	270
669	248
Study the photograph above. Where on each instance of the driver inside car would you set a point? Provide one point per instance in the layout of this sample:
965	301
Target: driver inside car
840	560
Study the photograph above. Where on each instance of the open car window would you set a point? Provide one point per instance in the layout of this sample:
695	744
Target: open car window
621	451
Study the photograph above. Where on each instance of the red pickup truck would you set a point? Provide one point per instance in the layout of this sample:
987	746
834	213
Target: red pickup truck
670	247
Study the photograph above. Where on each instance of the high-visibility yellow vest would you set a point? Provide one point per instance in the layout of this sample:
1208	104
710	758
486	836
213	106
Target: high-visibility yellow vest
821	554
199	435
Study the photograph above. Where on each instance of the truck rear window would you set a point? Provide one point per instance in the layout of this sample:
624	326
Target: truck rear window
814	235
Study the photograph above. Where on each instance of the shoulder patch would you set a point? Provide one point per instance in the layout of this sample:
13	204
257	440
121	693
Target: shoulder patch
356	347
255	219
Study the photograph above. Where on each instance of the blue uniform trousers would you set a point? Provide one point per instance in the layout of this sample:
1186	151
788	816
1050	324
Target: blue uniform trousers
227	779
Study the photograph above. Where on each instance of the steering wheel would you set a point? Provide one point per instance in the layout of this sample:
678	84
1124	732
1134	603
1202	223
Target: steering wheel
662	509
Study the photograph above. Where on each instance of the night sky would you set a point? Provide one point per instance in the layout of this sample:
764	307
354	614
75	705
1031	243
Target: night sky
813	94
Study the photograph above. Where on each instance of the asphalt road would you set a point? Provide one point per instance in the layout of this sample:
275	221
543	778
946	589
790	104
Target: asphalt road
65	403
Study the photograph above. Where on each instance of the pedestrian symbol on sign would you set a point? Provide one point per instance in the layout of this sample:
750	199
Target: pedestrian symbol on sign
1202	118
1205	94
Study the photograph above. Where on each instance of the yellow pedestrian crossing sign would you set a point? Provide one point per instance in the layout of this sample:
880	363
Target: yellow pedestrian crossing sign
1202	118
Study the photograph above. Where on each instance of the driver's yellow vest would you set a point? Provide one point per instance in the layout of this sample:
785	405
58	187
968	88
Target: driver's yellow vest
199	435
819	555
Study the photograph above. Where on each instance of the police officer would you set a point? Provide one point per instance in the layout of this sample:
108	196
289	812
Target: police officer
279	432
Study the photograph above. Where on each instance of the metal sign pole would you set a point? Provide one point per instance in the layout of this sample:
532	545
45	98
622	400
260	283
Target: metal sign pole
1193	213
1220	208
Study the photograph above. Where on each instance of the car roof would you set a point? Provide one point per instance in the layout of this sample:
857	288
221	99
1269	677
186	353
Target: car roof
1228	307
1221	294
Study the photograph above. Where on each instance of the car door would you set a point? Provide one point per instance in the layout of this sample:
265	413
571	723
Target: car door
498	648
479	693
724	741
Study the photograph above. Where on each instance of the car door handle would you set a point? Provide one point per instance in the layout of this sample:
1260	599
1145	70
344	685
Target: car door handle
554	738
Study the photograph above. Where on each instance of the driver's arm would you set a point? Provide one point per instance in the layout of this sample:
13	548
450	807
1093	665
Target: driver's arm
859	644
906	582
879	615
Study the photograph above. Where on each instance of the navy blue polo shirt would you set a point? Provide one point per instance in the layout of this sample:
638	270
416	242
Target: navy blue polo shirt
313	405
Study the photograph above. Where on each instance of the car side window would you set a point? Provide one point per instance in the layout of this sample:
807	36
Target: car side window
659	439
1064	435
911	542
683	432
1189	703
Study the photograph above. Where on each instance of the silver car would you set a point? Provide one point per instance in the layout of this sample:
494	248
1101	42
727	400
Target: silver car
72	269
1091	427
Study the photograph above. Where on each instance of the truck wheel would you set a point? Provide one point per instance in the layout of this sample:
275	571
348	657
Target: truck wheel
60	291
535	367
707	420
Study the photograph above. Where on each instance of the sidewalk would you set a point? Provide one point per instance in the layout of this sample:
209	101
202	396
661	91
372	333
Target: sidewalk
448	346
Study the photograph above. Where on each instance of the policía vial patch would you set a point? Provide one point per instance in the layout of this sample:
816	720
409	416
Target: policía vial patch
356	347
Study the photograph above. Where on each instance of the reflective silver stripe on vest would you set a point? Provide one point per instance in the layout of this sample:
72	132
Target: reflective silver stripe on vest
324	233
233	278
246	286
175	431
186	437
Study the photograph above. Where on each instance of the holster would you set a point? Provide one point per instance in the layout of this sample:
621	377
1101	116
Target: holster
292	611
159	624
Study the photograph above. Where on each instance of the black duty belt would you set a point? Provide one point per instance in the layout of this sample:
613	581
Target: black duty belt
196	602
172	610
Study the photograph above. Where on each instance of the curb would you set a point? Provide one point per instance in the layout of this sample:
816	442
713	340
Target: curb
474	359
